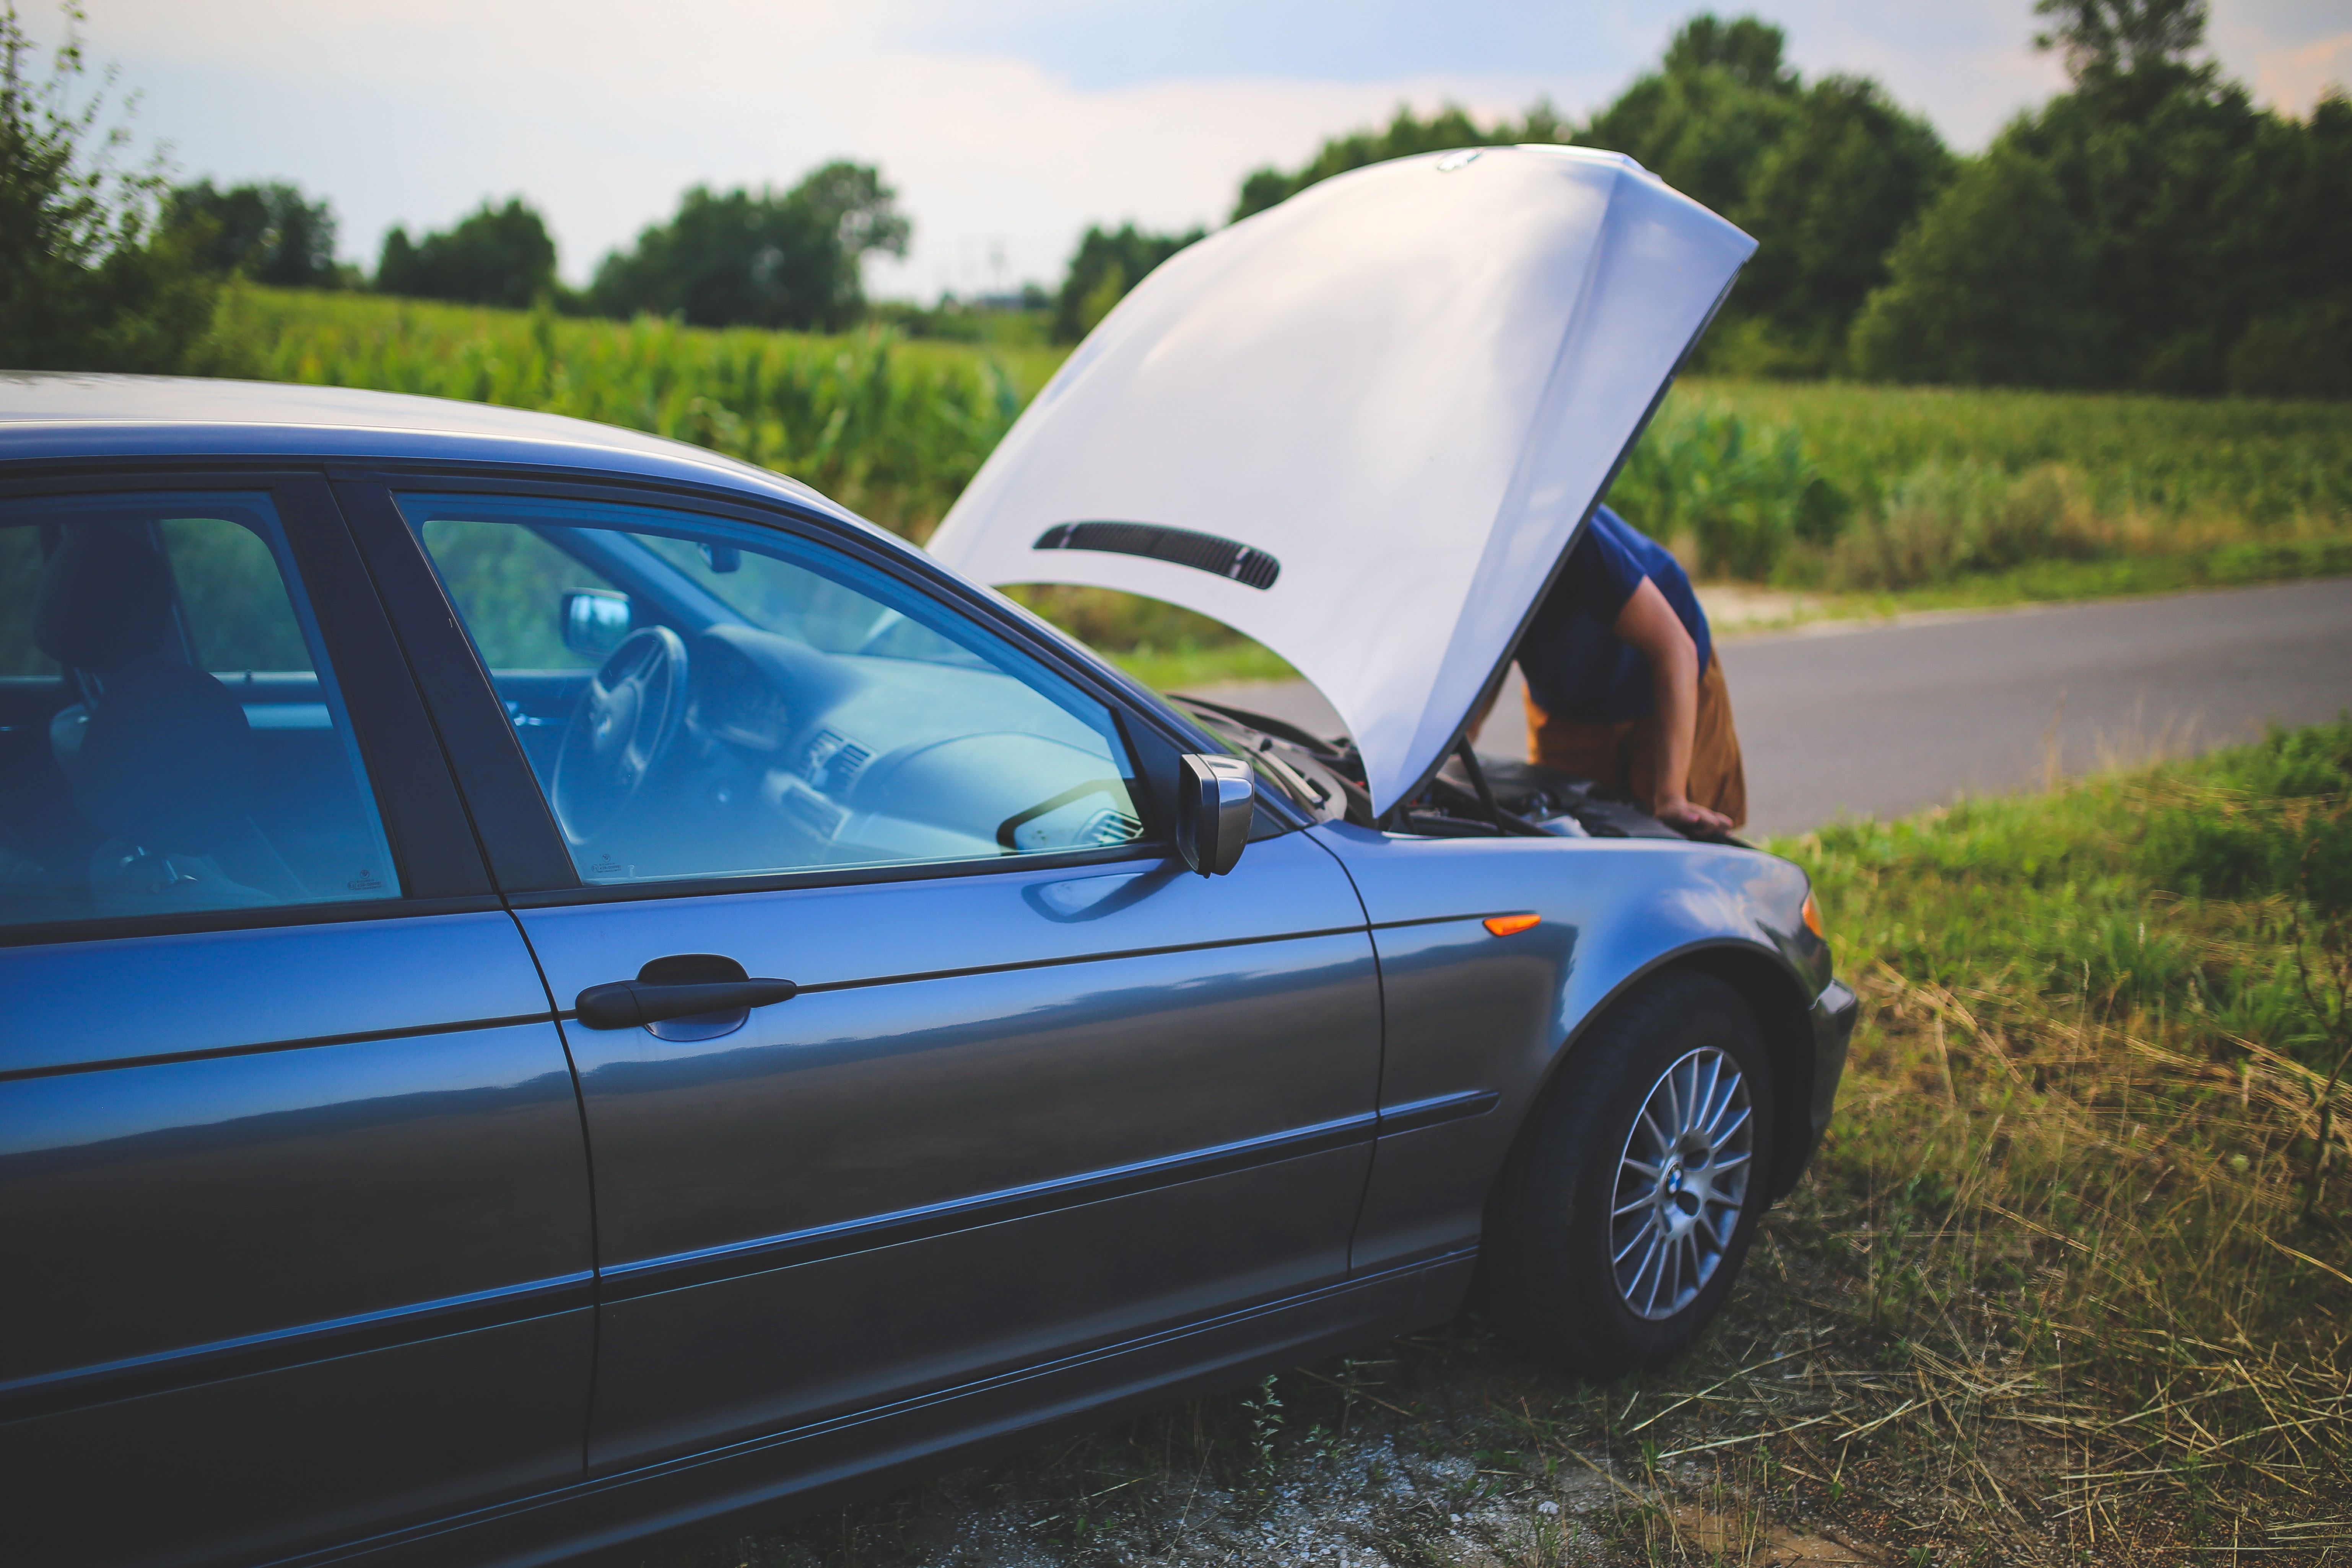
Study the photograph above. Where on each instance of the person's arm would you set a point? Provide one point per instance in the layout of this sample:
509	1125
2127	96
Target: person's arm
1649	626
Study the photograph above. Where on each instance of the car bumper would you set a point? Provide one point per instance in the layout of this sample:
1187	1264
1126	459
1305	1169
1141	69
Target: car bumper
1833	1014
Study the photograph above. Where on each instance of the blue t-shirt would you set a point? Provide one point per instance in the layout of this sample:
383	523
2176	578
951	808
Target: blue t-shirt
1576	667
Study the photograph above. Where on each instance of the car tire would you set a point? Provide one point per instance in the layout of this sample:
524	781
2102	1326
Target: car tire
1610	1244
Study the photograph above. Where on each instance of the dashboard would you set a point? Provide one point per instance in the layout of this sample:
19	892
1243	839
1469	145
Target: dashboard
794	758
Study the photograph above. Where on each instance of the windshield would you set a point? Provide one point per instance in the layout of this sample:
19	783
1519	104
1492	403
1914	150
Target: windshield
781	596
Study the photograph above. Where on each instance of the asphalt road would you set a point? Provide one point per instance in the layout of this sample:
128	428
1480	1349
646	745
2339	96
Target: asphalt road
1881	719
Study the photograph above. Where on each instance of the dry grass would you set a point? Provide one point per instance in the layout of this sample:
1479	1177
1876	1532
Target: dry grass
2095	1330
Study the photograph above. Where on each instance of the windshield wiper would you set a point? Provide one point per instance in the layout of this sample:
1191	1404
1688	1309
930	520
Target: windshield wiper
1265	724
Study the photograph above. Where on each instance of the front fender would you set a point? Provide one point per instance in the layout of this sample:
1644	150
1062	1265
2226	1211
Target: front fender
1476	1024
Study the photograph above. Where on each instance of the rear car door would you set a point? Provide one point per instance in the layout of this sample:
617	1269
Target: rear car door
1041	1088
293	1184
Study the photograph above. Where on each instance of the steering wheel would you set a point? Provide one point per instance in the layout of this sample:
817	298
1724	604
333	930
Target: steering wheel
624	728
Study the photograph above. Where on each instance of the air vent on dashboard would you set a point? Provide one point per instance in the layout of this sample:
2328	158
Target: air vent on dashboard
1207	552
833	762
1109	829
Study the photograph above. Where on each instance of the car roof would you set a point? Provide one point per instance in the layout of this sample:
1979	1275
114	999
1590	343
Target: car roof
72	417
54	415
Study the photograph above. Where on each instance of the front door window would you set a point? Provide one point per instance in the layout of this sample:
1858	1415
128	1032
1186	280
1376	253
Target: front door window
700	698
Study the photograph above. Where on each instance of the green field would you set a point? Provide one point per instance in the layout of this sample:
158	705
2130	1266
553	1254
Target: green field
890	427
1902	489
2171	458
1874	498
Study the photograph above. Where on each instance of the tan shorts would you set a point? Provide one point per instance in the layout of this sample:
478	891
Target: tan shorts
1622	758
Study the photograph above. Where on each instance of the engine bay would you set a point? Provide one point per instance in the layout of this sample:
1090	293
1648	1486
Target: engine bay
1488	797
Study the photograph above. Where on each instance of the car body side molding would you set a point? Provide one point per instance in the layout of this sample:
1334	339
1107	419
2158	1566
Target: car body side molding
250	1354
359	1038
1437	1110
701	1267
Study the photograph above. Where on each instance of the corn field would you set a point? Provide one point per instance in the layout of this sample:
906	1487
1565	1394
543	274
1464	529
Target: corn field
1958	495
892	428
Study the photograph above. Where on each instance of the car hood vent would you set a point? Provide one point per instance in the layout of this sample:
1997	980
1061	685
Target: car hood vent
1184	546
1364	426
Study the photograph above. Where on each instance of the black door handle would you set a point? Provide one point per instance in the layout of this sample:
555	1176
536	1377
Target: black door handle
632	1004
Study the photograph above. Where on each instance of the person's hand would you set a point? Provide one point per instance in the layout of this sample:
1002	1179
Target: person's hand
1689	816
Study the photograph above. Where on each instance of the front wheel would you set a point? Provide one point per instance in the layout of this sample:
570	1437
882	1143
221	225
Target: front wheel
1625	1210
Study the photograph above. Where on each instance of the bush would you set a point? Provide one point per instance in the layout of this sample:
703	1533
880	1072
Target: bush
1944	521
87	279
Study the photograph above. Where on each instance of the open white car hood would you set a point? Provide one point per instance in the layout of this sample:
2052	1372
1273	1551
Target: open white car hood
1388	403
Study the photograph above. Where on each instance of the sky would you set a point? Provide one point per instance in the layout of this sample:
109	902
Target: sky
1005	128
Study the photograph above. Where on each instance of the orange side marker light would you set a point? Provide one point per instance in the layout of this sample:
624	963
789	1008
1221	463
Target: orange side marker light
1813	917
1511	925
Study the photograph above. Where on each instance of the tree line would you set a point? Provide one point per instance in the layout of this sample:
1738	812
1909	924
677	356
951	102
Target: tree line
740	258
2150	227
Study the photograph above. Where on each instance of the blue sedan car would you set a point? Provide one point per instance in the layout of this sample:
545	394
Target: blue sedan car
561	987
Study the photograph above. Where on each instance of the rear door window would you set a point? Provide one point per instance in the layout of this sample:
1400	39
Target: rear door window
172	738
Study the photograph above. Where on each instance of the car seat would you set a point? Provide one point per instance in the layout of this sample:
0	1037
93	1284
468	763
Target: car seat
158	754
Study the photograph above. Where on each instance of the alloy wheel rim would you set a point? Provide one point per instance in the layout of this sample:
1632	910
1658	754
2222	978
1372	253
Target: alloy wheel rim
1681	1181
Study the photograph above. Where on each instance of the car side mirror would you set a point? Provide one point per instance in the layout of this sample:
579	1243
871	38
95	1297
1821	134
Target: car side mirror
1216	799
595	620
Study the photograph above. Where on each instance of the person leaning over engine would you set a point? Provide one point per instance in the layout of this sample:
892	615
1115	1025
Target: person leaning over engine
1624	687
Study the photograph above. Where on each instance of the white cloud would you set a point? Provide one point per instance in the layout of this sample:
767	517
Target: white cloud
2295	79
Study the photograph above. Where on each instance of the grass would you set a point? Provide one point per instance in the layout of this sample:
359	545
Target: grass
2235	565
2061	1288
1739	608
1877	498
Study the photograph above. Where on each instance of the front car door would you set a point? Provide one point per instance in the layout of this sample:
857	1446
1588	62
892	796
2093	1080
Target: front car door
1042	1090
293	1192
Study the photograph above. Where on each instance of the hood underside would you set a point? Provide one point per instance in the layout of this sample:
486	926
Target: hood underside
1363	427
